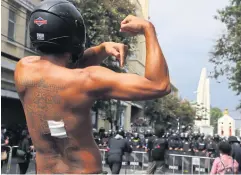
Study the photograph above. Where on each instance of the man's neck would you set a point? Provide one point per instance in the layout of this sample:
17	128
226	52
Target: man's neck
61	60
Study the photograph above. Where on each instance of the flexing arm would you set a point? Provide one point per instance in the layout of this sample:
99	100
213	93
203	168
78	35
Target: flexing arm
104	83
94	55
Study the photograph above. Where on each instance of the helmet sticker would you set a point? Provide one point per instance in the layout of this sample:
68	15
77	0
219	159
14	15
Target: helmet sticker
40	36
40	21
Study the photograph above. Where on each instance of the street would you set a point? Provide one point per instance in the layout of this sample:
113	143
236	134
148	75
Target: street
14	169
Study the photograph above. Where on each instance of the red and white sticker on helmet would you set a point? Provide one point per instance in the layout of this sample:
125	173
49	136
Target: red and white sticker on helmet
40	21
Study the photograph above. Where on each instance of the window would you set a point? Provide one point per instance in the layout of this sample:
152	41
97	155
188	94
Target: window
11	24
27	36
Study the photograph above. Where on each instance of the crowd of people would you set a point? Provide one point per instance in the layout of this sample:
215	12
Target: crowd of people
224	149
16	136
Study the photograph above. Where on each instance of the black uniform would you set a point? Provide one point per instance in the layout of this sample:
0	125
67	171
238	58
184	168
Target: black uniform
236	150
105	139
117	146
211	148
150	142
136	142
159	147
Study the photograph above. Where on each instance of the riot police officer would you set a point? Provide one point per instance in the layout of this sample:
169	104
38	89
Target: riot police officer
211	148
160	146
200	147
175	142
136	142
116	148
105	139
96	137
149	146
101	132
186	144
236	150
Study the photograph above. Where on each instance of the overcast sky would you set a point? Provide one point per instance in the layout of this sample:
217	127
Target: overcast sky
186	32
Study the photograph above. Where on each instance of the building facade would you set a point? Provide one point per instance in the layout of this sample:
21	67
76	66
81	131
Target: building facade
15	45
226	125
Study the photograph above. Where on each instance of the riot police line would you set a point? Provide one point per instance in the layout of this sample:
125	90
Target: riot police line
182	151
176	161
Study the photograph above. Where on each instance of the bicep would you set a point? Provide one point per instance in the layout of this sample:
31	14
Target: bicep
123	86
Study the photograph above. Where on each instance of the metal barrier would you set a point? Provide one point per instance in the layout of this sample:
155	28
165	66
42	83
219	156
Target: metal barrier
177	163
10	154
136	160
188	164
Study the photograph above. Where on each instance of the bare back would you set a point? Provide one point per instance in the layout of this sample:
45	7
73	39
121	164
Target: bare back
50	93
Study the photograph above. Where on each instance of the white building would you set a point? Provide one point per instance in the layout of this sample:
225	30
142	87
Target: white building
226	125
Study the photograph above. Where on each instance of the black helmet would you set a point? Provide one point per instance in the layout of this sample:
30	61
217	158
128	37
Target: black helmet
148	133
106	134
25	133
233	139
136	135
121	132
56	26
101	130
94	131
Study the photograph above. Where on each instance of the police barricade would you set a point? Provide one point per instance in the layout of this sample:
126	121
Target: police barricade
173	162
190	164
9	168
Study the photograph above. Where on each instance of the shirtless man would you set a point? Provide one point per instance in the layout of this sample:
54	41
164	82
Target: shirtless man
57	100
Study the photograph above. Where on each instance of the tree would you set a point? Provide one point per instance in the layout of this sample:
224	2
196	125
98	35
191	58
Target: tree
216	113
102	20
167	110
186	113
226	55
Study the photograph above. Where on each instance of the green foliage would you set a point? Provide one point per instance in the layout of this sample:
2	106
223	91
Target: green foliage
216	113
186	113
102	20
169	109
226	55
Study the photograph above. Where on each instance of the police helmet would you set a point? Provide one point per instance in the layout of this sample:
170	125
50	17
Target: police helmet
136	135
94	131
24	133
57	27
233	139
106	134
148	133
121	132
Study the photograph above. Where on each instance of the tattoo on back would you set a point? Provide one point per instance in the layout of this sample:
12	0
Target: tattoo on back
43	105
43	102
